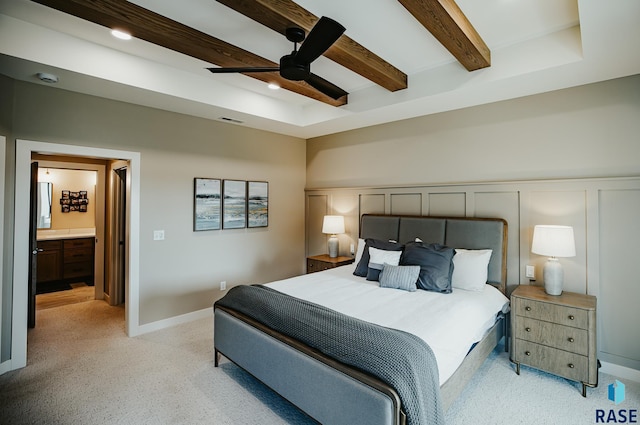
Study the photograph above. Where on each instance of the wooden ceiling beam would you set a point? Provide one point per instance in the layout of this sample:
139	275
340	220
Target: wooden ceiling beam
280	14
447	23
157	29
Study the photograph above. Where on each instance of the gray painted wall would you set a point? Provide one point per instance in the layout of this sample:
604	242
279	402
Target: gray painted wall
181	274
586	131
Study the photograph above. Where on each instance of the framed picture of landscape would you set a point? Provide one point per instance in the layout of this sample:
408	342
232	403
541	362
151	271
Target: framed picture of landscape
234	204
258	204
206	207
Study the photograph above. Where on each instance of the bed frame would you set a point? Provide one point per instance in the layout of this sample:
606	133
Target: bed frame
334	393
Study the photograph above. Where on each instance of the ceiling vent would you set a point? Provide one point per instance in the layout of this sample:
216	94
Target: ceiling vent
227	119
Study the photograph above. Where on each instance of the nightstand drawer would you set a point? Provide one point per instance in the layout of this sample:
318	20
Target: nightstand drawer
549	312
559	362
550	334
317	266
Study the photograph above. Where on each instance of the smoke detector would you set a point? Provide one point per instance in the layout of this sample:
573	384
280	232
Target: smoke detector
47	78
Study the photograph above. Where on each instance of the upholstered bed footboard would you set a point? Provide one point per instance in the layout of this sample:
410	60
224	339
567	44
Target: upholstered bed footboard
326	390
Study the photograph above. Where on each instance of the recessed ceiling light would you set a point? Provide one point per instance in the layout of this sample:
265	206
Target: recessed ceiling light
121	34
273	86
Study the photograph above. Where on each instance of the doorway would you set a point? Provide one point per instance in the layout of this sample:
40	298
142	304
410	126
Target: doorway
69	232
24	151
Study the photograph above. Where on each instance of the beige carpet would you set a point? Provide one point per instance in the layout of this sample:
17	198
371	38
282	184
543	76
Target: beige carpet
83	369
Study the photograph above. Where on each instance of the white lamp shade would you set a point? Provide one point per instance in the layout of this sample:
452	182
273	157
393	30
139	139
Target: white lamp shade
333	224
553	241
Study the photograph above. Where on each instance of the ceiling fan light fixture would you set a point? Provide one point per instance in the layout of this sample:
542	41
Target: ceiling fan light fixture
122	35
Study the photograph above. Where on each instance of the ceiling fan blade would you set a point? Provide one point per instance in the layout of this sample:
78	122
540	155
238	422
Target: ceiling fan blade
325	87
325	32
244	70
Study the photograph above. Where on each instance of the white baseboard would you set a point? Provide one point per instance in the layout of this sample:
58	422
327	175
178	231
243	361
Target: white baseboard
172	321
621	372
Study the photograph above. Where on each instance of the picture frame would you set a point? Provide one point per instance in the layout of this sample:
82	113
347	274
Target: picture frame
257	204
234	204
74	201
207	198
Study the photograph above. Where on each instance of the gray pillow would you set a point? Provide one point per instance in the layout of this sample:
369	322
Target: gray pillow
399	277
436	265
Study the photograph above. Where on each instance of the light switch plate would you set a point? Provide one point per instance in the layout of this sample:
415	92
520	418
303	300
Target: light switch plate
530	272
158	235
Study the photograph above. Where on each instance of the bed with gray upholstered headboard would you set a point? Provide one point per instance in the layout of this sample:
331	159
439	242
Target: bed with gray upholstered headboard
325	386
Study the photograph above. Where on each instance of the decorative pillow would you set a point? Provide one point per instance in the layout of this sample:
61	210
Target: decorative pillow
470	269
360	249
378	258
363	265
399	277
436	266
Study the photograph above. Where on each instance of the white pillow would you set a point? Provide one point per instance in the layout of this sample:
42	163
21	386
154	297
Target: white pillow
360	250
381	257
470	269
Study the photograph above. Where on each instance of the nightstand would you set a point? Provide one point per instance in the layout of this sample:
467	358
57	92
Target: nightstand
555	333
318	263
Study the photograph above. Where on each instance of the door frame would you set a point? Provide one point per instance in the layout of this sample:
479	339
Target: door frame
24	150
99	203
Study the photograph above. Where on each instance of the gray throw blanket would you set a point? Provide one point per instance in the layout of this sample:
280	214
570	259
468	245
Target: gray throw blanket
403	361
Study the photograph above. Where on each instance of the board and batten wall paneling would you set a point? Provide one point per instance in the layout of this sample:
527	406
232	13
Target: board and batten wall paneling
372	203
567	208
448	204
504	205
317	208
618	312
406	203
603	213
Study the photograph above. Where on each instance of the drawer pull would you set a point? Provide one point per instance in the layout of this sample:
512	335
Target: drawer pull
527	353
571	317
527	329
527	308
571	366
571	340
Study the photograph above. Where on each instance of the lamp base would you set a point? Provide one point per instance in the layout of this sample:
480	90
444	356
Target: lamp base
553	277
333	246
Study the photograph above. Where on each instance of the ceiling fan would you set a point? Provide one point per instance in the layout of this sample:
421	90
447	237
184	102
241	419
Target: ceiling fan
297	65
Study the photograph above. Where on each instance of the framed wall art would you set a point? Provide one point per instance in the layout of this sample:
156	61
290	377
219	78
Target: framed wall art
74	201
206	207
234	204
258	204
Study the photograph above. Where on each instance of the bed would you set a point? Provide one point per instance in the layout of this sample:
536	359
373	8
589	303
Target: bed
338	390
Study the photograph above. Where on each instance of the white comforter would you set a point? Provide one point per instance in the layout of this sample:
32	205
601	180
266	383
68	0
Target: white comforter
449	323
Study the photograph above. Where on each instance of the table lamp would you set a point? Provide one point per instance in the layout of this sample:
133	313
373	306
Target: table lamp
554	242
332	225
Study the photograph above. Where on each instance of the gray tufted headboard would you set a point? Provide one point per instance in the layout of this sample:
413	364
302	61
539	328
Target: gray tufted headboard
455	232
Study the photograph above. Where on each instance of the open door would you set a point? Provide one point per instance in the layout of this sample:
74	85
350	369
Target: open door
33	245
119	171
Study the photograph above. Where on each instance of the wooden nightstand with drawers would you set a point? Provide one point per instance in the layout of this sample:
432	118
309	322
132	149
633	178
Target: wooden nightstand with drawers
318	263
555	333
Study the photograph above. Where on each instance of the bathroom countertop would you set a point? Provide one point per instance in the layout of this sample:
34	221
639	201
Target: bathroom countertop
48	235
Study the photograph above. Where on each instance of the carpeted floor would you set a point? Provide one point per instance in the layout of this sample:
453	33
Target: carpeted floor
83	369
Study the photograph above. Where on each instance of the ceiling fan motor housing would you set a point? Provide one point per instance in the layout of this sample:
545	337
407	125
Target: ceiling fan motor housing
293	70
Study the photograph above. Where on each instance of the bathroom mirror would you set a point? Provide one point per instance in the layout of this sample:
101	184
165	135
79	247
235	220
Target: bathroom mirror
45	190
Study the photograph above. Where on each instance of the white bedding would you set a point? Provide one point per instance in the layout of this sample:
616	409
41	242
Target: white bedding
449	323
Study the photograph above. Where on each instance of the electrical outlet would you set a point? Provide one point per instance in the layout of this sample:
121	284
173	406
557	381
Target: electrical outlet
530	272
223	285
351	250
